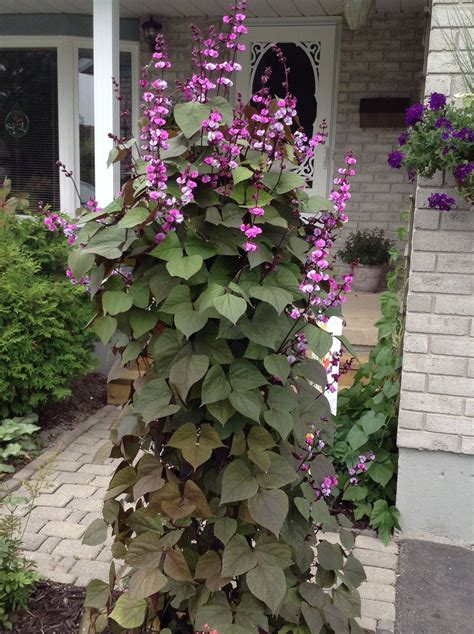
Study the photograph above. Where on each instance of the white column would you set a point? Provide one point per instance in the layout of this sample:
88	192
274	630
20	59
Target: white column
106	108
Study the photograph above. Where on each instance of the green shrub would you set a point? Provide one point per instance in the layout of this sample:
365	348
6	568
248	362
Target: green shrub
42	339
17	579
48	249
16	440
370	247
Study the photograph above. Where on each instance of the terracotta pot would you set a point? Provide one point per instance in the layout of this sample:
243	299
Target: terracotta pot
367	278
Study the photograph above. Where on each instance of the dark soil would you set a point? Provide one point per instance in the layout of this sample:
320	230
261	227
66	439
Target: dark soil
88	394
54	608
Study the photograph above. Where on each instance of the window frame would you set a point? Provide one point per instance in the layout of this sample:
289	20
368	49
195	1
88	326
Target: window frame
67	50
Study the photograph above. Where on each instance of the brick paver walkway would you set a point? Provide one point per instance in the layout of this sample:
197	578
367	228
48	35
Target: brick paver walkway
64	510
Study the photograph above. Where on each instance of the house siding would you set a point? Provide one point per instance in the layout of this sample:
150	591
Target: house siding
437	400
383	59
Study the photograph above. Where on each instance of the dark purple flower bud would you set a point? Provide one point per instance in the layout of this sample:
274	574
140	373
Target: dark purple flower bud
437	101
414	114
403	138
442	202
395	159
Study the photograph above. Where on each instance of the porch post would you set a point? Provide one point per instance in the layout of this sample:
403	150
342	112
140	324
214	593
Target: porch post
106	109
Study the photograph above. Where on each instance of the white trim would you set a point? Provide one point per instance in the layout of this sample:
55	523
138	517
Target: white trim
68	98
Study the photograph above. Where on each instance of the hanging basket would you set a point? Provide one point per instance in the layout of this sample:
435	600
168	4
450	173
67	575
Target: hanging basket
356	12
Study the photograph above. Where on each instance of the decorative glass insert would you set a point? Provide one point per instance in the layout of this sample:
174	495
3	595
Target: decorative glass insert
29	122
302	58
86	116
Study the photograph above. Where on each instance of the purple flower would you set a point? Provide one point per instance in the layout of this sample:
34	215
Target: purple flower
442	122
395	159
442	202
463	172
414	114
403	138
437	101
465	134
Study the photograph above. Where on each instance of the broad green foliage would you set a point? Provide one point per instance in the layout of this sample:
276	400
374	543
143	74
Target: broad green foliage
211	510
16	440
42	341
368	246
367	417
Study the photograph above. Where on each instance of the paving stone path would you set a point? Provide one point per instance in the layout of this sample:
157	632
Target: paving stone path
62	512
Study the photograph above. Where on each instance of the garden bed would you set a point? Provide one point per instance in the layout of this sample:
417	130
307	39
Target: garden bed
55	608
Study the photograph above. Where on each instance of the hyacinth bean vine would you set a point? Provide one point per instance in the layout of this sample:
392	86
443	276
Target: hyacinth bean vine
204	272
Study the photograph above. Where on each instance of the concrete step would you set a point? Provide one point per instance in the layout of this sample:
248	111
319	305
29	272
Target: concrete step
361	312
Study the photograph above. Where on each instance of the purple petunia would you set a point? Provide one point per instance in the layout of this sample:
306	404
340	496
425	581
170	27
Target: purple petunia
442	122
463	172
403	138
414	114
442	202
437	101
395	159
465	134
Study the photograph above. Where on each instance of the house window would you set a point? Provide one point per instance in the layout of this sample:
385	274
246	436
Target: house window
29	122
86	116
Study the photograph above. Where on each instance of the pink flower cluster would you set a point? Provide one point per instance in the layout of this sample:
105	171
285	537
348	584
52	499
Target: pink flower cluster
84	281
360	467
54	222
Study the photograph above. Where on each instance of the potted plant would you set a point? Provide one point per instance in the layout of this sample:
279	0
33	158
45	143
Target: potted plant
369	250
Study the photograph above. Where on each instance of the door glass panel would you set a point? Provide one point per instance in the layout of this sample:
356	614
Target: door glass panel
86	117
29	122
302	59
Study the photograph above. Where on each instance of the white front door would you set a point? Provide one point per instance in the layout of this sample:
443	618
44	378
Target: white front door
311	50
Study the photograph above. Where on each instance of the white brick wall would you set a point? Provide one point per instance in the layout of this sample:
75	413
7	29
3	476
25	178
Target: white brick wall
383	59
437	404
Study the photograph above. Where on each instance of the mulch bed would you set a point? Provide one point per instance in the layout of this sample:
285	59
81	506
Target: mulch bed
54	608
88	394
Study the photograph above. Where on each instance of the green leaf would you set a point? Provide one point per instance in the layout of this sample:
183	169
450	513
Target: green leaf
225	528
243	375
273	295
312	370
170	249
198	246
96	533
237	482
129	613
146	582
134	217
161	286
185	267
283	182
269	509
140	293
267	583
188	320
277	365
241	174
273	553
222	410
372	422
80	262
319	340
142	321
280	420
356	437
107	243
381	472
105	327
238	557
248	403
318	203
176	298
330	556
259	439
97	595
230	307
188	371
153	401
216	611
282	398
313	618
385	519
224	107
115	302
144	551
131	352
206	300
279	475
215	386
353	572
190	115
196	444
